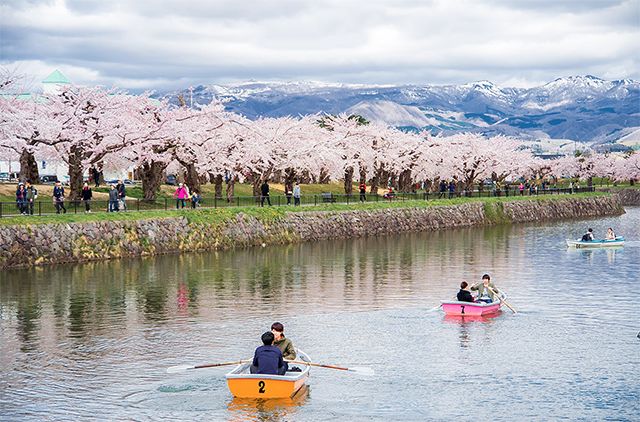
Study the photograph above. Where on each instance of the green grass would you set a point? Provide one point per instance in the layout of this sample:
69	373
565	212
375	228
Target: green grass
219	215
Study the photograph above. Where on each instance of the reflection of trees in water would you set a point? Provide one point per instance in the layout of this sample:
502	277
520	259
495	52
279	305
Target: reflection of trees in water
352	272
28	314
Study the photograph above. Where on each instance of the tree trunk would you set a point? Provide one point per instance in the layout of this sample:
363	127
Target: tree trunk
217	182
590	181
191	177
323	178
404	181
289	176
391	180
75	172
375	181
257	181
348	181
151	176
363	174
28	168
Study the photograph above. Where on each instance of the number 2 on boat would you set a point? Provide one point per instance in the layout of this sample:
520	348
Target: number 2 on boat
261	387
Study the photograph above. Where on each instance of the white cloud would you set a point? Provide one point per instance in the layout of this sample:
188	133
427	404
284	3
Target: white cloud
173	43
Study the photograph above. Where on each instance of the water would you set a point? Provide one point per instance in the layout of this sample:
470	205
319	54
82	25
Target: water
93	341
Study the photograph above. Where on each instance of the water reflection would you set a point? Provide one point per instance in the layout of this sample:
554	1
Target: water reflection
589	254
108	330
464	322
267	410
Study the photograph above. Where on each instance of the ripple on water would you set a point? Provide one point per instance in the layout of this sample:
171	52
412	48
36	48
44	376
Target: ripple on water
81	341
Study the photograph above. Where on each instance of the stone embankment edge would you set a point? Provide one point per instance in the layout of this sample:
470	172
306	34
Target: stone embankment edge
31	245
628	196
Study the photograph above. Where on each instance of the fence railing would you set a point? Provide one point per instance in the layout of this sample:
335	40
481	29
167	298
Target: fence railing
49	207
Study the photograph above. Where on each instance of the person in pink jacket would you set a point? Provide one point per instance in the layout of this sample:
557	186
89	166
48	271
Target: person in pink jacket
180	196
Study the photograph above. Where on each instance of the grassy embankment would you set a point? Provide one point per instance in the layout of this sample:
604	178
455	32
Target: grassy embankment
493	210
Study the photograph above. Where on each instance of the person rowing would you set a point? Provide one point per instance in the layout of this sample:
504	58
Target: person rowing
464	295
284	344
487	291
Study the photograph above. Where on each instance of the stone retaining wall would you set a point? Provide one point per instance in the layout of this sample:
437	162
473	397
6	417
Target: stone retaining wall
629	196
29	245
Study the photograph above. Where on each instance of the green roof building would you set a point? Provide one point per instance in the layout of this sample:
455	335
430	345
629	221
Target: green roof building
51	83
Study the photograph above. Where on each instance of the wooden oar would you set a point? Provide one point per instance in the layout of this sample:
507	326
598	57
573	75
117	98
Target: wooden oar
182	368
501	300
358	369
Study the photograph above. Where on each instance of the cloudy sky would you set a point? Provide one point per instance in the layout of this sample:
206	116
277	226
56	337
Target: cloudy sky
176	43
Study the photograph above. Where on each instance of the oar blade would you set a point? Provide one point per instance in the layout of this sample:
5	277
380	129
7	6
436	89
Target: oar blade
362	370
179	368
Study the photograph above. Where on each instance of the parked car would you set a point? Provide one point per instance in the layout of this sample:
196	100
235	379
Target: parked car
171	179
48	179
9	177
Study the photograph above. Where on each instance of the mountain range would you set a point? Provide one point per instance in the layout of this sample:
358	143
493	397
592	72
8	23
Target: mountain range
577	108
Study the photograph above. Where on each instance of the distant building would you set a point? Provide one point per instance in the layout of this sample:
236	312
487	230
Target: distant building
548	156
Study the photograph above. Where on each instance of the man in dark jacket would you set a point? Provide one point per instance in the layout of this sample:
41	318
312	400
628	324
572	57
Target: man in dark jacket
58	198
268	358
113	199
86	195
122	195
264	190
32	195
464	295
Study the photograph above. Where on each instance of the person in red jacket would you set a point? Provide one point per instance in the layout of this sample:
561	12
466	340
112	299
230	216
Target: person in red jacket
363	192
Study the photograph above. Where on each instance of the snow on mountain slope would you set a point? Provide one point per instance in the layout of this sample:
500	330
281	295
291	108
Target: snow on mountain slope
392	113
583	108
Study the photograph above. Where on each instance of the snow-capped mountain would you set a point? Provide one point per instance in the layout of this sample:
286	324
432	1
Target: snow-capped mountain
583	108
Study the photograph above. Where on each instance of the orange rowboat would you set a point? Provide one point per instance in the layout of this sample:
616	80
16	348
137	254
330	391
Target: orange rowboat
244	384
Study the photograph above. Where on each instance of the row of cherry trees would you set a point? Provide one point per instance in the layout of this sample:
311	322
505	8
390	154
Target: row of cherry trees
93	127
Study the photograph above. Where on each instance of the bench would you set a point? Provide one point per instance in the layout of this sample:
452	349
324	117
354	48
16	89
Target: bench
328	197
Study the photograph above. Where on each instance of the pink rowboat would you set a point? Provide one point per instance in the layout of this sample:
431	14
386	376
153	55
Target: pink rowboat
455	307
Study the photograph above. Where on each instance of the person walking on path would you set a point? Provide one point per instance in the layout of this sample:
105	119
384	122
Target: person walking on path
21	199
122	195
296	195
443	189
86	196
113	199
195	199
363	192
521	187
452	189
32	195
264	190
58	198
288	192
180	196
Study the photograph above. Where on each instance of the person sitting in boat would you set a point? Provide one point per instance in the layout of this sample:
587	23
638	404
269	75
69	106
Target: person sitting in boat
268	358
283	343
588	236
464	295
610	234
487	292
